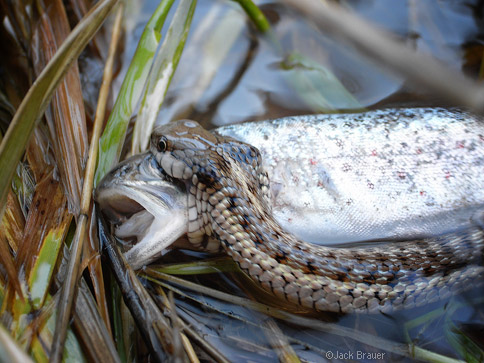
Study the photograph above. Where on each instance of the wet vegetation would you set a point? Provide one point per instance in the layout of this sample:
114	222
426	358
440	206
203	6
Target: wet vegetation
64	123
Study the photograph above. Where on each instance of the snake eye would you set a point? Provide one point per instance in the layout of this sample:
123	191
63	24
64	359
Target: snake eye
162	144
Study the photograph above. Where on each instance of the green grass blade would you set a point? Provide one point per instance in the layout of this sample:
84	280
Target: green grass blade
164	67
72	352
39	280
211	266
255	14
424	355
467	349
112	139
39	95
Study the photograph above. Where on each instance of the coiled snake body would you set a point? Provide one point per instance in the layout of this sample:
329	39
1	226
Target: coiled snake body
228	200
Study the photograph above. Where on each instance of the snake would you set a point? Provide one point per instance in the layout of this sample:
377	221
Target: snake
228	201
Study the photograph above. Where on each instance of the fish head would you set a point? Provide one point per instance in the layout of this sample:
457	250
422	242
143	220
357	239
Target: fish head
147	207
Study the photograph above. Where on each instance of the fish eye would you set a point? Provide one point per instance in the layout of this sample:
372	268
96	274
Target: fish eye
162	144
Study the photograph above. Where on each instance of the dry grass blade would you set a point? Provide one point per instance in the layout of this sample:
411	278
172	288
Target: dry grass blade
91	252
18	17
38	335
13	221
11	230
6	260
201	342
70	282
92	258
381	47
169	305
80	8
15	86
192	334
39	95
279	343
36	258
88	323
91	328
49	208
48	211
65	115
192	356
406	350
229	315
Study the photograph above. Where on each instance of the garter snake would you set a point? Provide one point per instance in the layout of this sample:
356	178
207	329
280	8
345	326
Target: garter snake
228	200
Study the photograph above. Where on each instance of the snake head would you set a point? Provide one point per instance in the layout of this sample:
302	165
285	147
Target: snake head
174	146
184	148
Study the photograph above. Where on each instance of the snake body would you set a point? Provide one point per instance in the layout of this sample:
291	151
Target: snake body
228	202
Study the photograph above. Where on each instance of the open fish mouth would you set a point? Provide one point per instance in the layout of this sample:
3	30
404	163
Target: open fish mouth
146	206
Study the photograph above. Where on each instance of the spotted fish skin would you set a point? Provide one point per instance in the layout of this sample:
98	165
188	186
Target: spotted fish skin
387	174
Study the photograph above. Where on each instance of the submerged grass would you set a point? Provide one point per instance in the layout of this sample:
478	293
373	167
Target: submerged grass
411	350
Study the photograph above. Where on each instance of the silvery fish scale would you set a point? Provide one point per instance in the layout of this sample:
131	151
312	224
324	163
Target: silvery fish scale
389	174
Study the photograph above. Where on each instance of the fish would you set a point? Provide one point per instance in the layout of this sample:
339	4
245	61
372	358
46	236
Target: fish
144	204
383	175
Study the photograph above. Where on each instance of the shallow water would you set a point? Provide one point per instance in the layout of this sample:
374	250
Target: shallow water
255	81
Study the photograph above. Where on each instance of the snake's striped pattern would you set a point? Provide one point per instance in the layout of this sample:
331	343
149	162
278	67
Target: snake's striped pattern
228	191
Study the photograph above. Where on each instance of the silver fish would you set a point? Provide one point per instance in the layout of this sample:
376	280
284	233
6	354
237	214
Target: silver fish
397	173
390	174
143	203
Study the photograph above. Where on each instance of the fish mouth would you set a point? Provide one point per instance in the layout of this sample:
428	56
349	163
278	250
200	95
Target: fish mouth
146	206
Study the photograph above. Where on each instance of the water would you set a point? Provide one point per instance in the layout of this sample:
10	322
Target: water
254	82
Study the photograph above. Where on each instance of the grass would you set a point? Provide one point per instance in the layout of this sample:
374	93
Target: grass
46	250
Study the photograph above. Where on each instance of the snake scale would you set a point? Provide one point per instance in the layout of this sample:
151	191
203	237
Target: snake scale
228	201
